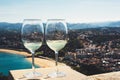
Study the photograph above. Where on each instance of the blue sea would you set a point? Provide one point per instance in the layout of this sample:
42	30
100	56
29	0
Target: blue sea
13	62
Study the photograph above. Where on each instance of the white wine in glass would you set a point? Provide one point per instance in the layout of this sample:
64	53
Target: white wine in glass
56	37
32	37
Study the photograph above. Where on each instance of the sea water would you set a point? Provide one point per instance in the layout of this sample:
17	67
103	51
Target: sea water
13	62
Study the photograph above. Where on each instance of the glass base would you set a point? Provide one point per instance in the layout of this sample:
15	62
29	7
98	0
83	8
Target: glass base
56	74
32	75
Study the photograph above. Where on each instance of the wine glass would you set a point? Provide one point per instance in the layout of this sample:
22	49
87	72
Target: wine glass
56	38
32	37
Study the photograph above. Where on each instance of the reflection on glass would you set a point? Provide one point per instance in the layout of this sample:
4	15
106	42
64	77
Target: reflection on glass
56	38
32	37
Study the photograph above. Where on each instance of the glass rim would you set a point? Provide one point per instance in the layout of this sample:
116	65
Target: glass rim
55	19
32	20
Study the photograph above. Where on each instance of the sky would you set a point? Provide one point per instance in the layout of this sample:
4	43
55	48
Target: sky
71	10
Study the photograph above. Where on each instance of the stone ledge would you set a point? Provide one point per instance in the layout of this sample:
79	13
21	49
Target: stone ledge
70	73
107	76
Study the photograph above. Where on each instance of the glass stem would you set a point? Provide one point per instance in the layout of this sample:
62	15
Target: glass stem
33	64
56	58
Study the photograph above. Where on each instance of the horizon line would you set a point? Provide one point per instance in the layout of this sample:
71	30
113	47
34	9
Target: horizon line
67	21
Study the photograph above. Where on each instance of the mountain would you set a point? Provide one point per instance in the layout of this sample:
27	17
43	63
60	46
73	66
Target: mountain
93	25
4	26
71	26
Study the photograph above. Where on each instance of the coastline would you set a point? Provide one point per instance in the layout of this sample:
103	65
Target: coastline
43	63
47	62
15	52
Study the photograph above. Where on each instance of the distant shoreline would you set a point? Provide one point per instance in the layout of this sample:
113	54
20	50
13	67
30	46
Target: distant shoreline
15	52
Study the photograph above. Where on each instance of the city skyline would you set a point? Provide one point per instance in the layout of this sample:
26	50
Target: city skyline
71	10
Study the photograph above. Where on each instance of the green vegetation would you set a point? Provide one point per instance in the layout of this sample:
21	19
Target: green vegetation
2	77
39	53
89	69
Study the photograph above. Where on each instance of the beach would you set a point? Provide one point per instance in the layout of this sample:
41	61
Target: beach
15	52
42	62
